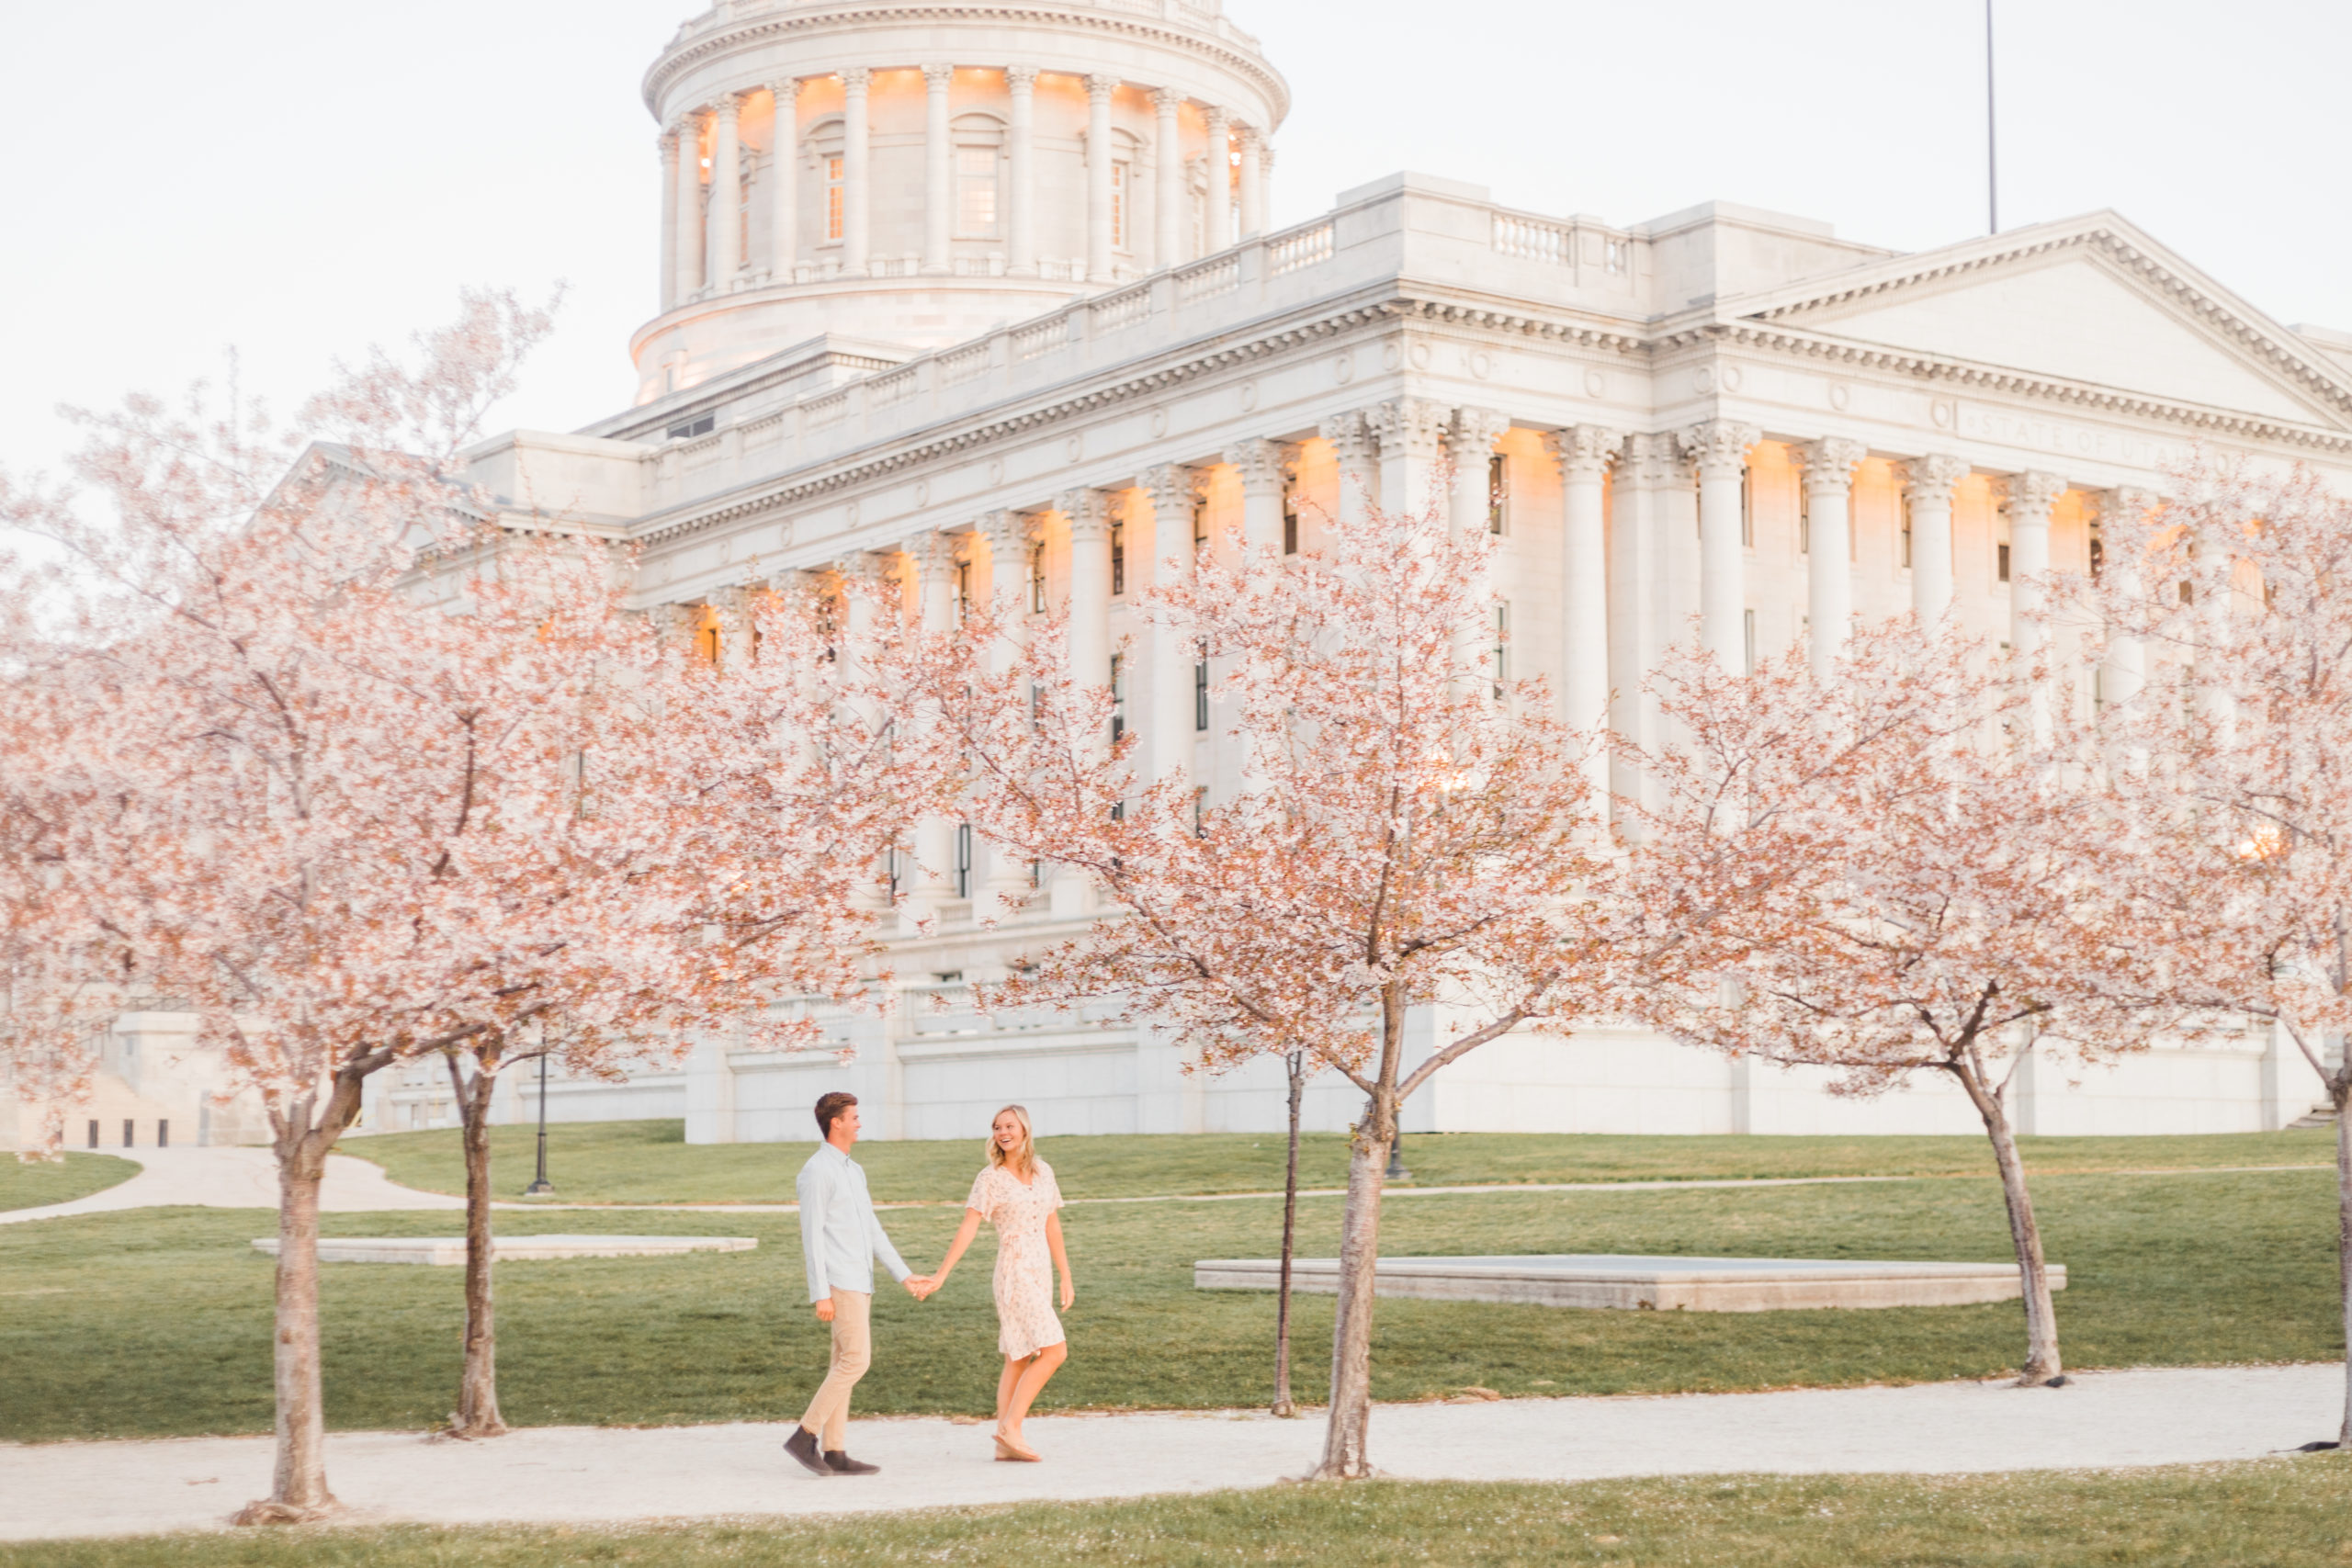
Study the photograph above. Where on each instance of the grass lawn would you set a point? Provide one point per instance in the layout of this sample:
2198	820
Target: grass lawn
650	1162
156	1323
2283	1513
30	1184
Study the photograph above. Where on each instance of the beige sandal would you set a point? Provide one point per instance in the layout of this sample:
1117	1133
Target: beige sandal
1007	1449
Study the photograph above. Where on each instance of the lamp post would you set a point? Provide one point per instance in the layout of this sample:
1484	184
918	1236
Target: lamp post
540	1187
1396	1171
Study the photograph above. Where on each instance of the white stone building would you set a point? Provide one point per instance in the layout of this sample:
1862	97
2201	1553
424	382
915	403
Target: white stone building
984	296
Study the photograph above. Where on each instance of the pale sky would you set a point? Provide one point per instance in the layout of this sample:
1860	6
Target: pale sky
300	180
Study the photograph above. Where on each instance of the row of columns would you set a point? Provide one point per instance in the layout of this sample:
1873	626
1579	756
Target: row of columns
699	244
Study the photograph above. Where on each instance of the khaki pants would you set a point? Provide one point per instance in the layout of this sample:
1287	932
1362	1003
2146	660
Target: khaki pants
828	1414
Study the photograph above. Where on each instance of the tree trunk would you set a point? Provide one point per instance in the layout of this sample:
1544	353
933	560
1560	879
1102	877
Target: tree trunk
477	1414
1346	1442
1283	1405
2042	1363
299	1487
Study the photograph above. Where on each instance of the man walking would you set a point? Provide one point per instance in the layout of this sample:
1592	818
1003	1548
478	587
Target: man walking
839	1238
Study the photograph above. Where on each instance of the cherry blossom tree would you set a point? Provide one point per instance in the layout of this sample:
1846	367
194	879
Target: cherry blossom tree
344	824
2225	615
1899	880
1401	840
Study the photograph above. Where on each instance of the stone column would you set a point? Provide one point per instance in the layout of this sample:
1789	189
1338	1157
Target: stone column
1829	494
784	184
1470	445
2031	497
668	272
1645	522
1098	177
1168	178
725	194
1253	206
860	576
687	269
933	556
1411	432
939	172
1217	233
1927	486
1266	180
1021	204
857	217
1171	736
1350	438
1719	452
1088	513
2123	673
1261	464
1006	535
1584	453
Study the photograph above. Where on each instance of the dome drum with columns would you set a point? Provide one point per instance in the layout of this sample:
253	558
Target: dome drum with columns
913	173
1723	423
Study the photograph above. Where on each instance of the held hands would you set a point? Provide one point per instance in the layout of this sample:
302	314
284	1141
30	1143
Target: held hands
920	1286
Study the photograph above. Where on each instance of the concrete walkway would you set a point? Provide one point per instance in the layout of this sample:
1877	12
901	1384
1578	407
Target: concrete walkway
2168	1416
235	1178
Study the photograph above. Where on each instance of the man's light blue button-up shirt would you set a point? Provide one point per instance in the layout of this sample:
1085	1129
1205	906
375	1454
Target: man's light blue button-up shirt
840	1238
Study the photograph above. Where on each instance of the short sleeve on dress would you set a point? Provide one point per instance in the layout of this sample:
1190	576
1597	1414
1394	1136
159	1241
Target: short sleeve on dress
983	1193
1053	1190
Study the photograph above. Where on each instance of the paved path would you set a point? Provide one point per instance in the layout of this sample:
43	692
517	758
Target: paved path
236	1179
573	1474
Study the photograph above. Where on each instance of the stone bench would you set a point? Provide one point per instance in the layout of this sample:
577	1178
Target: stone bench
1659	1284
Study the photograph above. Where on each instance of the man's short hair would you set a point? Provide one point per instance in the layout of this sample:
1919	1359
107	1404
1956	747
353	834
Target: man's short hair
829	1109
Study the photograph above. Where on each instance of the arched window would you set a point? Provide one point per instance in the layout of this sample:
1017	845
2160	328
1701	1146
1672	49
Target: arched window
979	141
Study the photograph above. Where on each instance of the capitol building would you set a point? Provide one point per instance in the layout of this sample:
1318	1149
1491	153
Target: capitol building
983	298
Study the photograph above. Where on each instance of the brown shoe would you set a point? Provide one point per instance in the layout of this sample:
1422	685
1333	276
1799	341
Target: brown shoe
802	1446
842	1464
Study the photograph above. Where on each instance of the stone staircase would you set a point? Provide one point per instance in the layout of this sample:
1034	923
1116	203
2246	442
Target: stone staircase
2317	1116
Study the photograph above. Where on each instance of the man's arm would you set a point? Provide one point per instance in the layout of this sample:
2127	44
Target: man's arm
881	1241
812	1189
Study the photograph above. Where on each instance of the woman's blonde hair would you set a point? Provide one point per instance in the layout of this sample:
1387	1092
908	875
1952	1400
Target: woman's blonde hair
1023	1158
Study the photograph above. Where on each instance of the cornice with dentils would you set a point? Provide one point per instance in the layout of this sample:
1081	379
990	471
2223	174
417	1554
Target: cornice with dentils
752	29
2102	232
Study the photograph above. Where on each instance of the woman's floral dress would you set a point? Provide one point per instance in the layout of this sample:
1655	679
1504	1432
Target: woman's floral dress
1025	1264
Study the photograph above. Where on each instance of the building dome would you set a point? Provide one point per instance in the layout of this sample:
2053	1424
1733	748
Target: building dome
908	173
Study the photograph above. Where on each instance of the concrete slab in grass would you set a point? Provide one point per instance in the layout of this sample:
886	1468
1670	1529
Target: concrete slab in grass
1661	1284
513	1248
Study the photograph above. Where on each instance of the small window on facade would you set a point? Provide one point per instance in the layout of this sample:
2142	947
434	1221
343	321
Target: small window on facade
1200	811
2098	550
962	869
975	192
701	424
707	633
963	590
1199	526
1037	579
1118	559
1290	521
1804	517
1747	510
1498	491
1119	206
94	1135
1502	646
833	196
2001	562
162	1135
1907	531
1118	697
2187	589
129	1140
1201	694
1748	634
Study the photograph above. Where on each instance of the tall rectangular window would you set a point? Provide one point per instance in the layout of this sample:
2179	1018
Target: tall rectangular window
1290	522
963	590
1804	518
1498	491
2001	565
1747	509
1119	206
1037	578
1906	530
1118	697
833	196
1748	634
1118	559
963	860
976	193
1502	645
1200	692
1199	526
1200	811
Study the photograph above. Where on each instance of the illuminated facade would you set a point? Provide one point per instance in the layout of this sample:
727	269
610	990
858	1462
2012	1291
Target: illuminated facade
1001	312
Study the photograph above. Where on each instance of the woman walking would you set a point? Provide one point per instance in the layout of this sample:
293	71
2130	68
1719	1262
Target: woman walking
1015	1193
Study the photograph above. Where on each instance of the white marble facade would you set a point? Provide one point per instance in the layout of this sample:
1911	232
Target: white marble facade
1001	313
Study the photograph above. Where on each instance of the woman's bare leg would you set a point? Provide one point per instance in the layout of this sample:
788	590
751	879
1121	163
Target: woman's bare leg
1004	1386
1034	1371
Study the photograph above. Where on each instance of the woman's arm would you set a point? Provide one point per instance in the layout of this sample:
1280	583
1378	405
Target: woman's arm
964	1235
1061	1258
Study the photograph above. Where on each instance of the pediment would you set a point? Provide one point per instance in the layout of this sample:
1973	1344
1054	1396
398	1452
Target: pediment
2069	308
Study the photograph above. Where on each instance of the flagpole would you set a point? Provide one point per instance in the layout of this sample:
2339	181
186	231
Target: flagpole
1992	144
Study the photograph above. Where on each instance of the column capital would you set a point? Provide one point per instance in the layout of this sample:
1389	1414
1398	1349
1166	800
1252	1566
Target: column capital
1261	463
2031	495
933	550
1583	451
938	78
1933	475
1829	463
1020	78
1652	459
1350	434
786	88
1172	487
1006	531
854	78
687	124
1166	100
666	142
869	566
1475	433
2131	500
1219	117
1251	137
1089	511
1718	447
1099	88
729	105
1415	426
